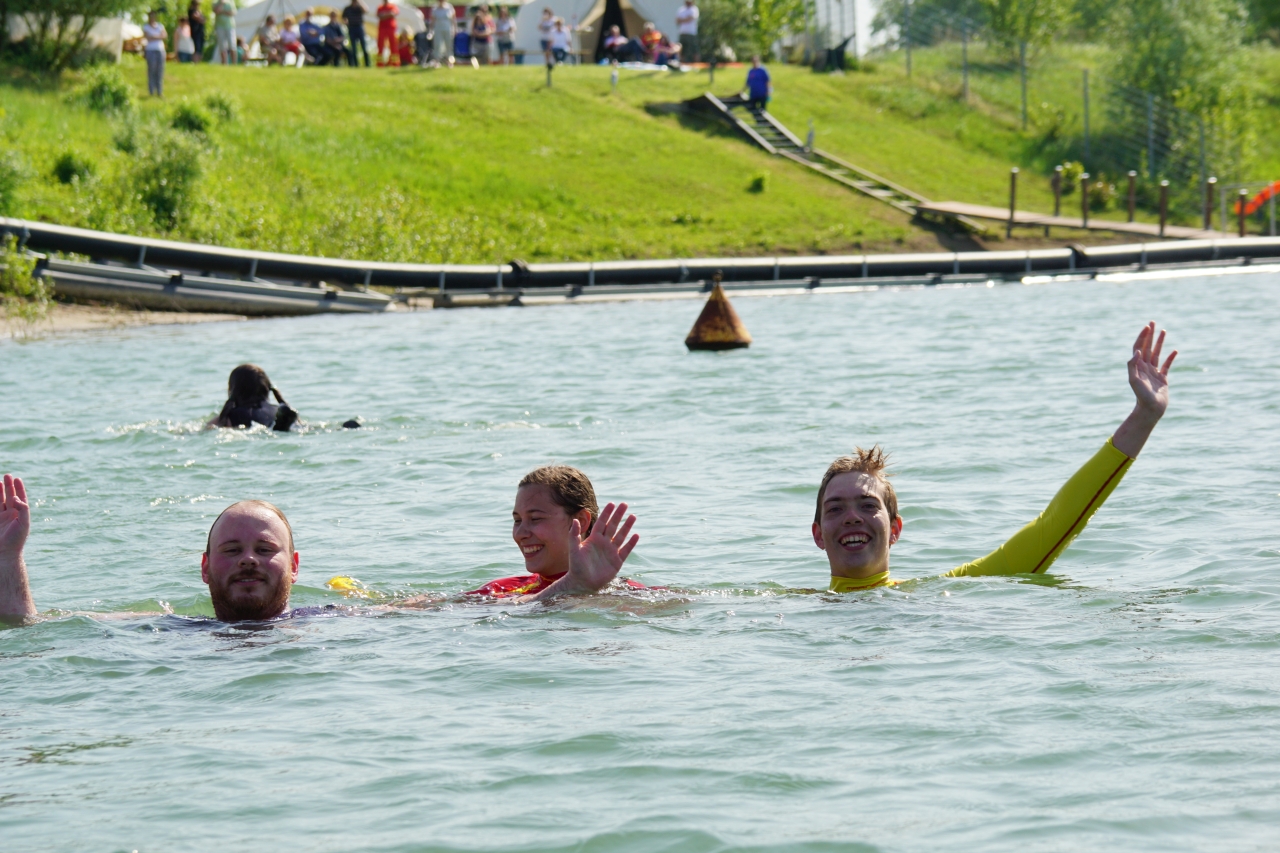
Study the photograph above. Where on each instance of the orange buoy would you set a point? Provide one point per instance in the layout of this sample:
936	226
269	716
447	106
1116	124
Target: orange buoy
718	326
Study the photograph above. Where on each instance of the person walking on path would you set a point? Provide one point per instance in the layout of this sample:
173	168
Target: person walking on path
195	17
157	49
505	30
354	16
442	20
759	86
387	46
687	27
224	30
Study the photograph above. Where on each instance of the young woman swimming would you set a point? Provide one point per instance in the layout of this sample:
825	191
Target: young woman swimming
247	392
555	505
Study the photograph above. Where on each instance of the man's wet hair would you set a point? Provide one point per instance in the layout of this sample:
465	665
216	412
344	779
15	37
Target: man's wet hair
873	463
570	489
270	507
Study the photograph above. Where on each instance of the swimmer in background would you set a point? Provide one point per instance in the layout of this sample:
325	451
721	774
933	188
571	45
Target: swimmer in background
247	390
856	520
250	564
555	511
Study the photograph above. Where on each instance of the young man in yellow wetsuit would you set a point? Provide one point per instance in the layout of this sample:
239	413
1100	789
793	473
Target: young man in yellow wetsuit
857	521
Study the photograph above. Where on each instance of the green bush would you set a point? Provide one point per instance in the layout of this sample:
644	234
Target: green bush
165	176
12	174
1102	193
25	297
191	118
70	167
759	182
105	90
1071	172
222	105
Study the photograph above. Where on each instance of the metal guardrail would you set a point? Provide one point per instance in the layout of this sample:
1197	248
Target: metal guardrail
254	265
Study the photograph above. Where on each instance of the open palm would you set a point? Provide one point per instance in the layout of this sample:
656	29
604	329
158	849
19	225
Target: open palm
1147	377
596	560
15	517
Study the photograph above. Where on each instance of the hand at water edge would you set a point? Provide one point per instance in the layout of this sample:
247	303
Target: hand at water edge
595	561
15	525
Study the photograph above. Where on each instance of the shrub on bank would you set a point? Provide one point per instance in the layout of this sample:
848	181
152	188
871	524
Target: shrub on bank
25	297
70	167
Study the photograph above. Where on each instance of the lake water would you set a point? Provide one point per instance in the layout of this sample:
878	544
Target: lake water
1130	701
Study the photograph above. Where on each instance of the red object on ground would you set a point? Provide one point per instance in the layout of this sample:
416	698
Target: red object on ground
528	585
1258	200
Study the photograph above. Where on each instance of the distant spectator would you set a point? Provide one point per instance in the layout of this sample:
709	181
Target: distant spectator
156	51
687	27
183	44
354	16
650	39
505	31
312	37
335	38
759	87
195	18
267	36
561	41
224	31
443	17
614	44
667	53
546	27
404	49
242	51
290	41
482	28
387	27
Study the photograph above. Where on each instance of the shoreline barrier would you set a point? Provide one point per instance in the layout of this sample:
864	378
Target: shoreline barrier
115	251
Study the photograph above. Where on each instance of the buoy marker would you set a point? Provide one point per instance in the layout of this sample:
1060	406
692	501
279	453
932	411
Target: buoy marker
718	326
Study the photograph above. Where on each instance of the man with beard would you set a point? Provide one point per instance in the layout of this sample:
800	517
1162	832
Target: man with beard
250	565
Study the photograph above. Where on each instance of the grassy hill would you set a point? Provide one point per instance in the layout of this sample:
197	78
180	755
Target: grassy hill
483	166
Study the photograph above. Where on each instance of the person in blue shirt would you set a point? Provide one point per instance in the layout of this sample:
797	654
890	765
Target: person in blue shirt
759	87
312	40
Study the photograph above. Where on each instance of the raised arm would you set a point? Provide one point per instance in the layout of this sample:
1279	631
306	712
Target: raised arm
595	561
1034	548
15	524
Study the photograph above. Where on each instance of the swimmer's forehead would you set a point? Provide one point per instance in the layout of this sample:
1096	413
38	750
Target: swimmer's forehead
852	485
248	522
536	496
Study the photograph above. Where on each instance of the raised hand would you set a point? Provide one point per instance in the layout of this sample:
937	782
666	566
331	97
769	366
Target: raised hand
1149	380
1147	377
596	560
15	524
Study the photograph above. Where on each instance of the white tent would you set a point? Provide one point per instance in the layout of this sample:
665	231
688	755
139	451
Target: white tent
587	13
249	18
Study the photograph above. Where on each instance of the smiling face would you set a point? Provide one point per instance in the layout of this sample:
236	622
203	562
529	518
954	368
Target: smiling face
543	530
854	526
250	564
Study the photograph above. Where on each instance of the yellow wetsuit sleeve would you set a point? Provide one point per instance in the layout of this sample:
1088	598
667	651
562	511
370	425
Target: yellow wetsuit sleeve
1034	548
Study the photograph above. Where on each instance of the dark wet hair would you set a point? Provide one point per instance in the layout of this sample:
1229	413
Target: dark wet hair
873	463
570	489
248	387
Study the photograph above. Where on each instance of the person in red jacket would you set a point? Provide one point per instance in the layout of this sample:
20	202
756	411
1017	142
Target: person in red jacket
555	511
387	47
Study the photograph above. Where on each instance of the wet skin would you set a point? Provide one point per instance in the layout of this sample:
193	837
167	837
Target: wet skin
854	527
250	566
543	530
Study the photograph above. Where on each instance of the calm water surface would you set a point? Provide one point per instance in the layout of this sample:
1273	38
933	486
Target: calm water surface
1131	701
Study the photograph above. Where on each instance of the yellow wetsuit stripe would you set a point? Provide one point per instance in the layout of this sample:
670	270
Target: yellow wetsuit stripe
1034	548
857	584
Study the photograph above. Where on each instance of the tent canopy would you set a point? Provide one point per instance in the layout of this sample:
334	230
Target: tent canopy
587	13
249	18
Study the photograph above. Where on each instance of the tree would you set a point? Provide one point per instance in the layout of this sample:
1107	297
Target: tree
58	30
1035	22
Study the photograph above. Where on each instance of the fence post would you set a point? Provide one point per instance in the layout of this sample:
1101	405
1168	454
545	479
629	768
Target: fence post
1272	205
906	35
1084	199
1086	115
1022	70
1209	186
1243	199
1164	205
1013	200
1204	163
964	56
1133	181
1151	136
1057	190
